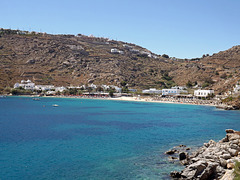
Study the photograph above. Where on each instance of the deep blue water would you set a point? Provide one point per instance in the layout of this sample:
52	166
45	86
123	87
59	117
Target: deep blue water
100	139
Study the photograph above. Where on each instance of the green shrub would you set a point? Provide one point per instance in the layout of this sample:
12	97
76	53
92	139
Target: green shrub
237	170
227	99
165	56
205	84
223	76
189	84
111	93
123	83
125	90
166	77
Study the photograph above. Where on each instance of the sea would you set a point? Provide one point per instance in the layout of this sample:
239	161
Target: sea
90	139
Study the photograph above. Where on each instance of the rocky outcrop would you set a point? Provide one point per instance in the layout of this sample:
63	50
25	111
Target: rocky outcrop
212	160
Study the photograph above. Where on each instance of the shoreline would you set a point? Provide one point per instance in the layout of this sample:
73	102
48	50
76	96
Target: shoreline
139	99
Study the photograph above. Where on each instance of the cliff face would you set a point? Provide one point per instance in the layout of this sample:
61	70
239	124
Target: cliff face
74	60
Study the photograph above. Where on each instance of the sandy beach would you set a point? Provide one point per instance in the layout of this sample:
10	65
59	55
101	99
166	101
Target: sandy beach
169	100
150	99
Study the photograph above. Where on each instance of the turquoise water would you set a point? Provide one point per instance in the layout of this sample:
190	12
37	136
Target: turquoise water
100	139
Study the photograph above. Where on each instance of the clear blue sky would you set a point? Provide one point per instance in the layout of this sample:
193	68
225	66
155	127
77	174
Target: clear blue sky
179	28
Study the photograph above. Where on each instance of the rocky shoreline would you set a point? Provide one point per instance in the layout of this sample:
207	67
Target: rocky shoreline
214	160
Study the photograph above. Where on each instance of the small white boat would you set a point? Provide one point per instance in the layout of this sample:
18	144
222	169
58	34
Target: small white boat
36	99
55	105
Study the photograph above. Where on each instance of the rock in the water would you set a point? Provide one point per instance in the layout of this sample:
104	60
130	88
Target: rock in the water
230	131
182	156
171	151
175	175
172	159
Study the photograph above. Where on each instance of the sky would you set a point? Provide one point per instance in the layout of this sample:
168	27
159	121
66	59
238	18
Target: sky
179	28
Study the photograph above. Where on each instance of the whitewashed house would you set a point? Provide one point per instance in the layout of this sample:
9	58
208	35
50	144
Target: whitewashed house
170	92
132	90
236	89
127	46
93	86
152	91
116	51
60	89
51	92
134	51
44	87
25	84
181	88
105	87
118	89
203	93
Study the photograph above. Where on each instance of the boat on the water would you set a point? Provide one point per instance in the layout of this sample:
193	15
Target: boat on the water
36	99
55	105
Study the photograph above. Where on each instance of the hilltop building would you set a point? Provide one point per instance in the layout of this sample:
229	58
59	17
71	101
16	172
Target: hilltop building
116	51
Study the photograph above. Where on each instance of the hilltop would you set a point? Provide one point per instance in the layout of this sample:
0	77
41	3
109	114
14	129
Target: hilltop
64	60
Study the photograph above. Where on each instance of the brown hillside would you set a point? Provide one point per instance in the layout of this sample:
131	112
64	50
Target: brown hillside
75	60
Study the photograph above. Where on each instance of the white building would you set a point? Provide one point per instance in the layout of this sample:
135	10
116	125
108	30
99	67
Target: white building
44	87
152	91
60	89
105	87
132	90
116	51
118	89
134	51
168	92
236	89
93	86
25	84
203	93
50	92
181	88
127	46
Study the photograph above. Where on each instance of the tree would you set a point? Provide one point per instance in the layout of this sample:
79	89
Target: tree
223	76
89	89
166	76
73	91
165	56
189	84
123	83
125	90
111	93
